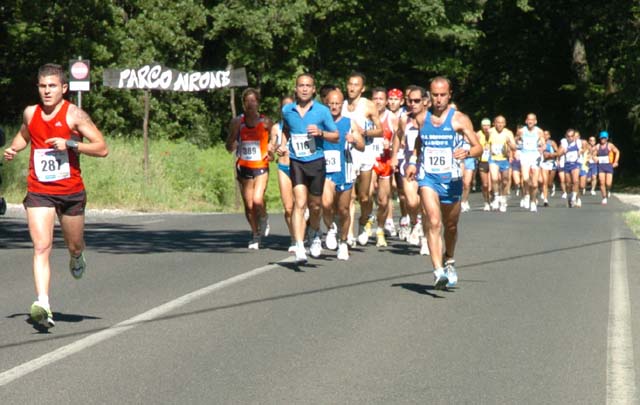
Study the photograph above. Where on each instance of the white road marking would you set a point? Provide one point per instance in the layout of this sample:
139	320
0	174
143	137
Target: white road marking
621	378
154	313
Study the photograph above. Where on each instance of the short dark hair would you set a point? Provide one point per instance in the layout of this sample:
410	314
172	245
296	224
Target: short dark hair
250	90
306	74
423	92
379	90
51	69
358	74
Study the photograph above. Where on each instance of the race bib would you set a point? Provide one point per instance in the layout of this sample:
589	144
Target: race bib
377	147
303	144
603	160
485	155
572	156
51	164
250	150
437	160
332	161
496	148
530	144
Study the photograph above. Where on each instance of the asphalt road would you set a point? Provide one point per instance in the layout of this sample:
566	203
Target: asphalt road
174	309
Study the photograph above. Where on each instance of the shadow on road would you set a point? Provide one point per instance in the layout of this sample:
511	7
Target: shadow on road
57	316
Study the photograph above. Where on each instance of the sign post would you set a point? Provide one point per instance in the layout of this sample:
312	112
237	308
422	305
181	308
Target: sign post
79	78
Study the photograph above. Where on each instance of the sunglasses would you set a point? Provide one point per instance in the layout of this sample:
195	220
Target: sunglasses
414	100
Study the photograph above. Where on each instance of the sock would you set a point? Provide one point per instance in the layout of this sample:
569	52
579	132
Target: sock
44	300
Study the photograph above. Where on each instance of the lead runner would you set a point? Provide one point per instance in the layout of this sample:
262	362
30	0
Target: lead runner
55	128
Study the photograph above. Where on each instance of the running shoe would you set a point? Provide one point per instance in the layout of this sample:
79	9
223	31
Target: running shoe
3	206
533	207
264	226
593	192
452	274
578	203
495	204
464	206
546	203
527	202
440	279
292	248
331	241
390	228
351	242
380	239
77	266
503	206
604	201
564	196
363	235
41	315
301	254
424	247
369	226
343	251
517	192
416	233
487	207
316	245
403	233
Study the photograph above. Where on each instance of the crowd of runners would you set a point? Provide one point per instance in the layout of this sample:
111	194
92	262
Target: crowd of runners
333	153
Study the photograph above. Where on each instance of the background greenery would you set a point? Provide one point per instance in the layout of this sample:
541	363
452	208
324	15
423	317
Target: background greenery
182	177
574	63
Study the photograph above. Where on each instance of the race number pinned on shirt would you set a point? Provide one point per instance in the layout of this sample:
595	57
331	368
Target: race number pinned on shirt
437	160
603	160
303	145
332	161
250	150
530	143
51	164
572	156
497	148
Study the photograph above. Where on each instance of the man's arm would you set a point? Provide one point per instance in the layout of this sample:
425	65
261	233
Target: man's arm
80	121
23	137
372	113
462	124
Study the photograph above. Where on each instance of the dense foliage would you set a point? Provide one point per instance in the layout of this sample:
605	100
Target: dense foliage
574	63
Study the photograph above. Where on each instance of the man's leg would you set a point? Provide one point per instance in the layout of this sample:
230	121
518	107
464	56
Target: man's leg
384	191
366	205
41	221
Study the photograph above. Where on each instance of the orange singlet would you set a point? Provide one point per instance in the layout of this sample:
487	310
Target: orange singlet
253	145
52	171
382	166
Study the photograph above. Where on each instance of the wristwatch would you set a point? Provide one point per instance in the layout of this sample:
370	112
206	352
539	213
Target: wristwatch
71	144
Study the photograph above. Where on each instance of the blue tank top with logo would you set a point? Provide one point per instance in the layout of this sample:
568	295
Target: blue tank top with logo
438	144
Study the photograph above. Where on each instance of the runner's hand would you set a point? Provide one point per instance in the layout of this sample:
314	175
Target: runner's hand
57	143
9	154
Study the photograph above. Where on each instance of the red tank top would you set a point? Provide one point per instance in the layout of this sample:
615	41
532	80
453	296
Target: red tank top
51	171
387	133
253	145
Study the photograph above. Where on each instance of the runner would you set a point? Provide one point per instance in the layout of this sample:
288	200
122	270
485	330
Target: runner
3	203
501	142
440	151
395	102
530	157
548	166
592	175
249	138
284	174
468	174
339	181
55	128
608	158
365	115
404	144
483	164
570	147
307	124
382	171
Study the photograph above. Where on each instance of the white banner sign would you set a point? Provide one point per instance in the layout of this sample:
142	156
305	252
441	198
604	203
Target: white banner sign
158	77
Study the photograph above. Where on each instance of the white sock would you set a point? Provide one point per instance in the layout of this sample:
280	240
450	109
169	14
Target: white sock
44	300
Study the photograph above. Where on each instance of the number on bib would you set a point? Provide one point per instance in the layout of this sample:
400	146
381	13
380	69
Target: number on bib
51	164
437	160
250	150
303	145
332	161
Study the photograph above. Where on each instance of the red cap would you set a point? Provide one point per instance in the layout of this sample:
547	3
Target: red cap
395	93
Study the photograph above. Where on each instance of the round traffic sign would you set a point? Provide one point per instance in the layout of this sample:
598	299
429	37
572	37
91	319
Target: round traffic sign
79	70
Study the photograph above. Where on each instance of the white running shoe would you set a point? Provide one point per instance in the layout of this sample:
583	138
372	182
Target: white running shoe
464	206
533	207
316	245
424	247
264	226
363	235
343	251
390	228
604	201
495	204
440	279
351	242
331	240
416	233
452	274
255	243
487	207
403	233
578	203
292	248
593	192
564	195
301	254
527	202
